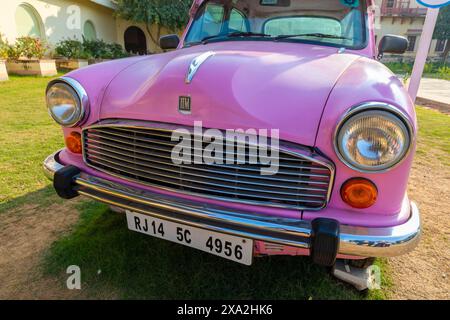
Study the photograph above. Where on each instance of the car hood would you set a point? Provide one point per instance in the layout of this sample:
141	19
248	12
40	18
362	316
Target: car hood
245	85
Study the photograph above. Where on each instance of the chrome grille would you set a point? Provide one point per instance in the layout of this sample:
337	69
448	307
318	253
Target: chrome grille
143	155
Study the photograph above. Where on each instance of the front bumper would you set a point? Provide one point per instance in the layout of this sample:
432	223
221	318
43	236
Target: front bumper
352	240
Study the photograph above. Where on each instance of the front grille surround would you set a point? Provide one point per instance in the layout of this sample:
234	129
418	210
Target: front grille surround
131	150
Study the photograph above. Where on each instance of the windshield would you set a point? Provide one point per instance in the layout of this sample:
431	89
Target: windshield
339	23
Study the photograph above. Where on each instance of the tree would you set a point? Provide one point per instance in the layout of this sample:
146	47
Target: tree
442	30
171	14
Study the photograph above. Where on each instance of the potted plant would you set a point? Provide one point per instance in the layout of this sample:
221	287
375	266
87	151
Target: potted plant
4	49
101	51
72	53
26	58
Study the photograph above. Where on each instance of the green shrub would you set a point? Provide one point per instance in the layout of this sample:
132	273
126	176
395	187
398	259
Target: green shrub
95	48
429	68
116	51
72	49
4	48
400	67
98	49
28	47
444	72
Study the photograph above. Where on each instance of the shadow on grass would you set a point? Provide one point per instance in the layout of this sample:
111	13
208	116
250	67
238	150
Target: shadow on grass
139	267
40	198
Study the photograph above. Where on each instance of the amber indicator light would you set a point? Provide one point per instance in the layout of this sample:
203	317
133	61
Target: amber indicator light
73	142
359	193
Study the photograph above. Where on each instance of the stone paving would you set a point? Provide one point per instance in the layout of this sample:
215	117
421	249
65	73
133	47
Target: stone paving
435	90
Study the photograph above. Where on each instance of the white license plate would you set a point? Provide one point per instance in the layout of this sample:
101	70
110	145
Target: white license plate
229	247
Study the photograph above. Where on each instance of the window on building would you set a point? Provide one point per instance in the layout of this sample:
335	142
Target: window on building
28	22
89	31
412	43
440	45
390	3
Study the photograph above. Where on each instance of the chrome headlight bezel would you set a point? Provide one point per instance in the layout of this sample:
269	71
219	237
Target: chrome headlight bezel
78	93
383	108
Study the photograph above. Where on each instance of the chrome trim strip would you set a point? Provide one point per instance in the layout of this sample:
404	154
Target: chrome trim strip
286	147
373	106
354	240
82	96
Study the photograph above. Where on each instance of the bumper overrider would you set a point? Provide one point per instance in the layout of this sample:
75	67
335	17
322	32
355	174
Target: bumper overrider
325	238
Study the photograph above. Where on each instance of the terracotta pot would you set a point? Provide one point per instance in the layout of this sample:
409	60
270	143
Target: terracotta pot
71	64
3	71
45	68
95	61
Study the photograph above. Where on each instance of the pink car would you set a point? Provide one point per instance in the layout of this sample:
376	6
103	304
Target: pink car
300	75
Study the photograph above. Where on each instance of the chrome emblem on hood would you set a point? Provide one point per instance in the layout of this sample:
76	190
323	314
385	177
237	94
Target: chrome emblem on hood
196	64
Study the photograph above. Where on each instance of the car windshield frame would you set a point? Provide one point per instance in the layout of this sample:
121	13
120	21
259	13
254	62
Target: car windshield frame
365	34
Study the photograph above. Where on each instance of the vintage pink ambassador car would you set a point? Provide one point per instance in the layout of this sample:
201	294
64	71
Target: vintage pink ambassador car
307	68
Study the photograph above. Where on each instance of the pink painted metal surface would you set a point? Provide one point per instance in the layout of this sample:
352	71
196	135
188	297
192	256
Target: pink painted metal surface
301	89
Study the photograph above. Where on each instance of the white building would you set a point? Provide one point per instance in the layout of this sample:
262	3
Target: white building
406	18
54	20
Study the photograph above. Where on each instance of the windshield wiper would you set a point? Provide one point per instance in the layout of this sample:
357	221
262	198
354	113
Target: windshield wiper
234	35
248	34
316	35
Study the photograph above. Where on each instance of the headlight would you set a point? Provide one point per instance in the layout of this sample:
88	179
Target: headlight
67	102
373	138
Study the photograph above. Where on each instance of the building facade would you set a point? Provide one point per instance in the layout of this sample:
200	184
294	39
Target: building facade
55	20
405	18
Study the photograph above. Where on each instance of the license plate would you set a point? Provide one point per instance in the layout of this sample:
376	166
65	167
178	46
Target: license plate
229	247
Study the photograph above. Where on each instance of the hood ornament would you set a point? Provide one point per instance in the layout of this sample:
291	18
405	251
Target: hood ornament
196	64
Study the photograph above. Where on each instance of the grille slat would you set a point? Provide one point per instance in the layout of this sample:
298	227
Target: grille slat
119	132
199	178
190	171
158	152
296	181
206	186
144	155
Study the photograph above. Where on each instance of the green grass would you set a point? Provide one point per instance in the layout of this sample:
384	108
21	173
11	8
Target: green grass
27	136
134	265
139	267
434	133
436	70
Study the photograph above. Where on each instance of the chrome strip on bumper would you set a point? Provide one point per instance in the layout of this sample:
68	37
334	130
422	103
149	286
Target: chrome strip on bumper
354	241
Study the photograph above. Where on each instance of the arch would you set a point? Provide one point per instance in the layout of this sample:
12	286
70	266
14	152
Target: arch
89	31
135	41
28	22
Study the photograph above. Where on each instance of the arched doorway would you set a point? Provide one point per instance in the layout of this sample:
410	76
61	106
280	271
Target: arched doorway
135	41
28	22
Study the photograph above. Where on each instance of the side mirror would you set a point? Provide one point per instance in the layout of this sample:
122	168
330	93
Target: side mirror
393	44
169	42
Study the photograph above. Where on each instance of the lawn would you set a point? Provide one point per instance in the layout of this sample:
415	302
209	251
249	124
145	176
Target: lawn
27	136
435	70
117	262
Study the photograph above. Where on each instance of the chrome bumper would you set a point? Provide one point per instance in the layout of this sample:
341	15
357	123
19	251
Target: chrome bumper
354	241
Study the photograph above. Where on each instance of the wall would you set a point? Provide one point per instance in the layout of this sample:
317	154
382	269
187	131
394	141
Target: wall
123	25
54	16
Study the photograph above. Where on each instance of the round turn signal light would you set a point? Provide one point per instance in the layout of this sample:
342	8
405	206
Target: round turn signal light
359	193
73	143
